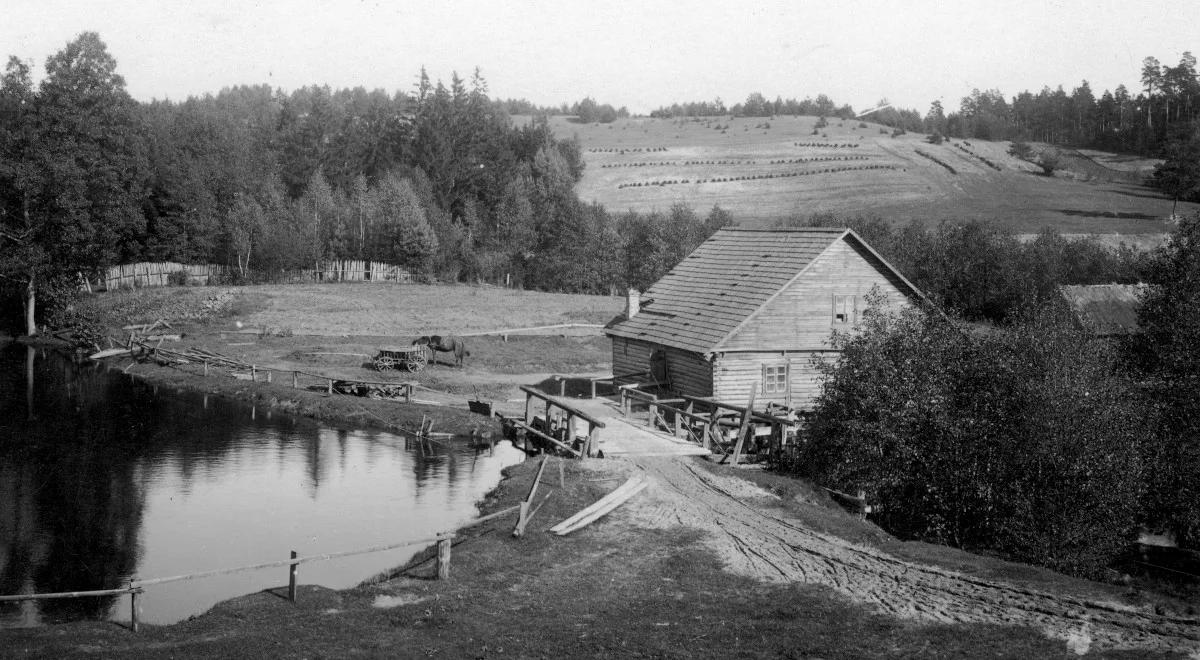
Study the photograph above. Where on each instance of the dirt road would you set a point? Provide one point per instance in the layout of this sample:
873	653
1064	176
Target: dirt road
761	542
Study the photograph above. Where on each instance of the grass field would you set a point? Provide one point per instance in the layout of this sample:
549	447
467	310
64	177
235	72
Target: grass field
766	169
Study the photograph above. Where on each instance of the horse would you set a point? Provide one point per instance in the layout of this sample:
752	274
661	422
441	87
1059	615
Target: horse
447	344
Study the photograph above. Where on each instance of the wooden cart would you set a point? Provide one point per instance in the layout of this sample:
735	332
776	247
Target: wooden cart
409	358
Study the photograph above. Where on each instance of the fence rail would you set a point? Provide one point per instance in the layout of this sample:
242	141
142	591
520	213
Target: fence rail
134	586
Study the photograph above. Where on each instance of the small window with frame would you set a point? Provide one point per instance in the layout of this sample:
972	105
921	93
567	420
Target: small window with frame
775	379
845	309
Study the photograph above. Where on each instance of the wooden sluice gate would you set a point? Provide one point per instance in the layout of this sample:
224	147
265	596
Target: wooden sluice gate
736	432
557	430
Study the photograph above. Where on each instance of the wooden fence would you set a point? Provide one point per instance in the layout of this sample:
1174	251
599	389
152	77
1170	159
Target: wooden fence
135	586
156	274
356	271
145	274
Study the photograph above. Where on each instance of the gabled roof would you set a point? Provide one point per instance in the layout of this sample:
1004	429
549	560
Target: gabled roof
708	295
1105	310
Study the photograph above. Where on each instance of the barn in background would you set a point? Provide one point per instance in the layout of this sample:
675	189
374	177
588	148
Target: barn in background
752	307
1106	311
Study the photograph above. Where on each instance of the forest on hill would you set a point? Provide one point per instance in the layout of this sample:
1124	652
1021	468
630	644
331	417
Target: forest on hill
441	180
1164	110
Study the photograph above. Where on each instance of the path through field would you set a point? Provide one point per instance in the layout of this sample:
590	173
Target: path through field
762	543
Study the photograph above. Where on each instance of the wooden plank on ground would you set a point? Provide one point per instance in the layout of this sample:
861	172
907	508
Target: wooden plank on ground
601	511
619	493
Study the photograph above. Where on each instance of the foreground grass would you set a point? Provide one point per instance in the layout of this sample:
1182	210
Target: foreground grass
602	592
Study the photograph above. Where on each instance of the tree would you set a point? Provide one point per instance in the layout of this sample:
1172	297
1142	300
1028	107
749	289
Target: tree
935	119
1050	159
1179	173
22	258
1168	354
75	164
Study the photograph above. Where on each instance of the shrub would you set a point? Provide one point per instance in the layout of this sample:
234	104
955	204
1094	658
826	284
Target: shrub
862	124
178	278
1020	440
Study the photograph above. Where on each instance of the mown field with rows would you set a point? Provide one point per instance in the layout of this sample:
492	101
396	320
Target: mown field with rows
765	169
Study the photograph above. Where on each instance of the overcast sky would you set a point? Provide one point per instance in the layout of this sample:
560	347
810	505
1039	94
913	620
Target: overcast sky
641	54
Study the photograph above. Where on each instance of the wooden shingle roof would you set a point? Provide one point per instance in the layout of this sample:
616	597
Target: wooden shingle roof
703	299
1105	310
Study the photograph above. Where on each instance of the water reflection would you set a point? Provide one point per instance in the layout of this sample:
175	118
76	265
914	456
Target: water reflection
100	479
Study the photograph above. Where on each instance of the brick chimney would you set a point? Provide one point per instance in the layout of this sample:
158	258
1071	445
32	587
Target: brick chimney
633	301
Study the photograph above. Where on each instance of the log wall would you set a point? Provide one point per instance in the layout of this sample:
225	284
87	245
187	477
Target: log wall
735	373
690	373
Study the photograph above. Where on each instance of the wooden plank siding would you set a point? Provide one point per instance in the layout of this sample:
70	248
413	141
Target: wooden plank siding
750	299
690	373
801	316
734	373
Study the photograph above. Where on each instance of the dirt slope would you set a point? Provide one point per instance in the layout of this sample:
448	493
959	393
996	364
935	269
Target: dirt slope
758	542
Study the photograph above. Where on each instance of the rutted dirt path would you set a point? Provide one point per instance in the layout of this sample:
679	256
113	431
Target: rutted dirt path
764	544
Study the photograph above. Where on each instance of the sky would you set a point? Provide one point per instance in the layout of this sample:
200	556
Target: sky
641	54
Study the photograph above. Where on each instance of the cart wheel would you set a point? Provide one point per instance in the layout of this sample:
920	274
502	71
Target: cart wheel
415	362
384	363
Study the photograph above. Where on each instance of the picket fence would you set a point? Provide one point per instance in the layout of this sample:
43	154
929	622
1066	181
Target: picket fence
157	274
352	270
147	274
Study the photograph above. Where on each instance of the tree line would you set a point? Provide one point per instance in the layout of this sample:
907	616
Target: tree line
439	180
1030	437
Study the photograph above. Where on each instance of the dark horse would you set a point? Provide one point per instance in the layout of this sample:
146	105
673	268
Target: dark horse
447	344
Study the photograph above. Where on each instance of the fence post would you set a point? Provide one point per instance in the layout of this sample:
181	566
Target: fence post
562	386
330	390
443	559
253	373
268	376
294	378
292	578
133	606
206	368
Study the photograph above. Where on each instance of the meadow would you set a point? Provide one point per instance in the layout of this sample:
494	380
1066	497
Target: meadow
766	169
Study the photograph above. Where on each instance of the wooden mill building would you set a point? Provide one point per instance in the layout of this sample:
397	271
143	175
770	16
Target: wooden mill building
753	307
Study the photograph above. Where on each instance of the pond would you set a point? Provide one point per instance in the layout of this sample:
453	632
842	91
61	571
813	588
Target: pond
103	478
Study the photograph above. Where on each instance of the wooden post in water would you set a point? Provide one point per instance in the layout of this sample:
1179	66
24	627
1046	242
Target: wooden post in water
443	557
292	578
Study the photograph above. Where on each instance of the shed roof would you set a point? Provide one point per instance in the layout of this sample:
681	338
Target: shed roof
704	298
1105	309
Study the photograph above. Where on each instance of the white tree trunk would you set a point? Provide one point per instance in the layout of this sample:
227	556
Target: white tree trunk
30	307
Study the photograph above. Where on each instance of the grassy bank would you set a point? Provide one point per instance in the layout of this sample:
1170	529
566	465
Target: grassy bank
602	592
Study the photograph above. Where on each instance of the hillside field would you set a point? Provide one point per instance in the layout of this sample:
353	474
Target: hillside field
764	169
